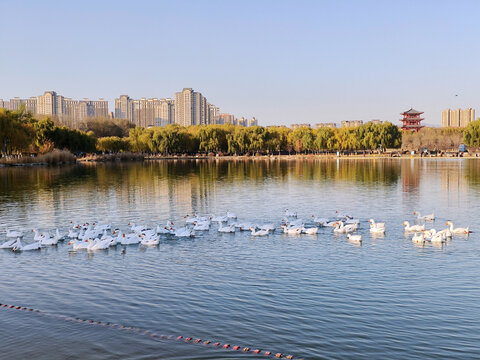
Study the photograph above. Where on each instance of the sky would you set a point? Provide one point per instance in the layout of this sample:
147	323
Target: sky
283	62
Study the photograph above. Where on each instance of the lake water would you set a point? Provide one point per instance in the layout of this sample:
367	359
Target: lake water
316	297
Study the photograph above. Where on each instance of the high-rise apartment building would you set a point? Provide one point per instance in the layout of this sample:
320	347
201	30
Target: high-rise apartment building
145	112
191	108
351	123
124	108
325	125
225	118
458	117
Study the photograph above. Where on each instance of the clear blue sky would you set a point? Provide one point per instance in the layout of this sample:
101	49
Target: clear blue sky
281	61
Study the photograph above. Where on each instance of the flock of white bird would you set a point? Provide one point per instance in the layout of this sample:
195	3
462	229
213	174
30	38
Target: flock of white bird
94	236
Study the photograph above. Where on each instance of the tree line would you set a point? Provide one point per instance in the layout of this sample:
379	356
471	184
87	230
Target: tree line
21	132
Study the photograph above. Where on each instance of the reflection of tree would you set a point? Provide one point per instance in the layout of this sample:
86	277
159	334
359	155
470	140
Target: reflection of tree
410	174
187	182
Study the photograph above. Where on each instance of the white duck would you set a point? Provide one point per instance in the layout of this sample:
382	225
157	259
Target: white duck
453	230
430	217
20	247
413	228
258	232
14	233
354	238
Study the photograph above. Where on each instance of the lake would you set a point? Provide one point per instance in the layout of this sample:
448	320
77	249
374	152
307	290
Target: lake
312	296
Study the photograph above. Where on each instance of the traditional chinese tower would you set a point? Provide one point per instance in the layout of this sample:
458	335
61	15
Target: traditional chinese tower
412	120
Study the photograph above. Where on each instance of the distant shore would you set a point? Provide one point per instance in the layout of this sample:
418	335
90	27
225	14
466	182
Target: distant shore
142	157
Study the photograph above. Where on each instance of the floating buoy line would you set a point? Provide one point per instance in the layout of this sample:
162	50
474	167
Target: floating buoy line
151	334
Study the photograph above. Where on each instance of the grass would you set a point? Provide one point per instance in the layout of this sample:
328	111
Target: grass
122	156
53	157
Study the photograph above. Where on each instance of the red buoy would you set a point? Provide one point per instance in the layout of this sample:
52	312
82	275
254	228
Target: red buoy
236	347
226	346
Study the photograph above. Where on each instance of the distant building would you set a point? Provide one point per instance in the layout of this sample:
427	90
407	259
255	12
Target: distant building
191	108
145	112
296	126
411	120
325	125
457	118
376	122
225	118
352	123
124	108
253	122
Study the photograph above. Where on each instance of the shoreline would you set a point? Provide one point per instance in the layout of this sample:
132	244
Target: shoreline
138	157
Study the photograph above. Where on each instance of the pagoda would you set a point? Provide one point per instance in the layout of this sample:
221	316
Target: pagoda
412	120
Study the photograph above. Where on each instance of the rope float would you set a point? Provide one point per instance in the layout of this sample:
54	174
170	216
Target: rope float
153	335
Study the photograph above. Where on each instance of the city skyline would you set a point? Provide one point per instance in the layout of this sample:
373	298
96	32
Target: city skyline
280	61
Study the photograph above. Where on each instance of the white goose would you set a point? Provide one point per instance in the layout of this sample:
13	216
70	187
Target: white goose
413	228
79	245
231	215
226	229
418	238
40	236
49	241
290	213
259	232
310	231
453	230
438	238
8	244
20	247
376	228
354	238
343	229
244	226
202	226
430	217
130	239
150	241
292	230
99	245
320	221
167	229
14	233
184	232
268	227
72	234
